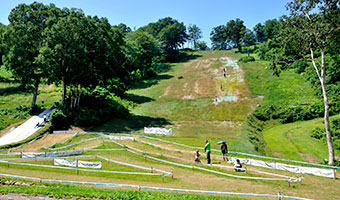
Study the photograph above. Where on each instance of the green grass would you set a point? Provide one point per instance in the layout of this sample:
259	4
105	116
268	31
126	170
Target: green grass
72	191
15	102
288	89
293	141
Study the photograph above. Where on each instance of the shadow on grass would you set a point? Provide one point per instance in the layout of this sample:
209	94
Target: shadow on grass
13	90
132	124
138	99
150	82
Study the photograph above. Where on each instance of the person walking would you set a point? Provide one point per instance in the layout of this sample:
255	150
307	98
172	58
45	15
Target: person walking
197	157
207	149
224	150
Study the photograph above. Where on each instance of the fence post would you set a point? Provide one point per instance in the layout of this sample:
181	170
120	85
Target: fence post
77	167
334	173
151	169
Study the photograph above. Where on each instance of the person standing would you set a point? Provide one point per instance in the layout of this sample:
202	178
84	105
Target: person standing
224	150
207	149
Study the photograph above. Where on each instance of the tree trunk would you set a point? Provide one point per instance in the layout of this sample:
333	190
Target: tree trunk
321	76
326	116
63	92
35	93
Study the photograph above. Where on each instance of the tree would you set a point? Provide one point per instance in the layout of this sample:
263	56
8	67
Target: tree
248	39
228	36
141	49
201	46
2	48
83	52
235	31
124	28
271	28
259	32
310	26
194	34
218	37
170	32
23	39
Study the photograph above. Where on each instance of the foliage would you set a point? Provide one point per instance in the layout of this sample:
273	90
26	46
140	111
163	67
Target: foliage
259	32
194	34
22	42
141	50
201	46
229	36
248	38
320	134
60	121
246	59
171	33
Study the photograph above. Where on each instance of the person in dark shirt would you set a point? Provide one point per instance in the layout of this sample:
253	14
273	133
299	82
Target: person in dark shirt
224	150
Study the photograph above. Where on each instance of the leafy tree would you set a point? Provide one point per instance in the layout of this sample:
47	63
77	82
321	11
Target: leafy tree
194	34
309	28
96	47
23	39
124	28
248	38
235	31
2	48
259	32
142	48
228	36
170	32
271	29
218	37
202	46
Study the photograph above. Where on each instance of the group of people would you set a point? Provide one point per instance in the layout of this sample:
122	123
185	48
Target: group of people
224	150
42	123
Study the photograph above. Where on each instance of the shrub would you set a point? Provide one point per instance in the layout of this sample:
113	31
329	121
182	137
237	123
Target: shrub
246	59
60	121
317	133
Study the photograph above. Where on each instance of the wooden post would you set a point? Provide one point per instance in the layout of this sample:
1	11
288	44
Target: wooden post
288	183
77	167
334	173
151	170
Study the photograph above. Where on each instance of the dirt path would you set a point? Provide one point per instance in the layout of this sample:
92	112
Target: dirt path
46	141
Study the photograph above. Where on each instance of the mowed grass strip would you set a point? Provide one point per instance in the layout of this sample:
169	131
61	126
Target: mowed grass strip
293	141
73	191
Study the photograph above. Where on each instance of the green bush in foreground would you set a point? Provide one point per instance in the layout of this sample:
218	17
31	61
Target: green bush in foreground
71	191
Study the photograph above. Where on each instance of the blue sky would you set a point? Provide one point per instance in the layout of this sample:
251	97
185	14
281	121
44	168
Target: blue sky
136	13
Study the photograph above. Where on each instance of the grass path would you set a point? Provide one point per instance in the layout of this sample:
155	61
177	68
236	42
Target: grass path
293	141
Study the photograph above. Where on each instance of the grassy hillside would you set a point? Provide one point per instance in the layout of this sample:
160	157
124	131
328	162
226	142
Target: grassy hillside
182	98
293	141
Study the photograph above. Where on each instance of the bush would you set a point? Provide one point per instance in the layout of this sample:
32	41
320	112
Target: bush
317	133
294	114
246	59
60	120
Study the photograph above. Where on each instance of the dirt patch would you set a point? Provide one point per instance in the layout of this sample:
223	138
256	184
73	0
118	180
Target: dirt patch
309	157
47	140
52	86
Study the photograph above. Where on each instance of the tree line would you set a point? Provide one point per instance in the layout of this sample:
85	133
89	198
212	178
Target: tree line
90	58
